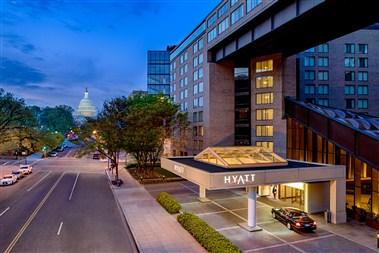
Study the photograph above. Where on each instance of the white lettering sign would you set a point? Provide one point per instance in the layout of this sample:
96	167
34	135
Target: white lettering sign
239	179
179	169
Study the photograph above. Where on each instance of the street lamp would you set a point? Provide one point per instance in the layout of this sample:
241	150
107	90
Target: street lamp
94	132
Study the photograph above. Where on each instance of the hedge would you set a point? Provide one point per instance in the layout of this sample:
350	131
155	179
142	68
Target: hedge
207	236
169	202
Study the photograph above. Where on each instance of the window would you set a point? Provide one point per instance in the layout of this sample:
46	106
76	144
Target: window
201	43
181	83
310	50
323	61
233	2
195	61
323	101
212	20
264	114
309	75
350	103
201	72
323	75
362	76
195	75
237	14
309	89
201	87
201	58
200	130
309	61
349	48
223	25
195	47
363	62
252	4
241	73
181	59
198	45
195	89
362	48
212	34
264	98
362	104
185	81
362	90
323	48
223	9
186	68
264	66
349	89
185	93
200	116
264	82
182	94
264	130
323	89
174	98
349	75
349	62
265	144
198	102
186	56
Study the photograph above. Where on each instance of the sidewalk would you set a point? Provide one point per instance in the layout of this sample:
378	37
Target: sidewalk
154	229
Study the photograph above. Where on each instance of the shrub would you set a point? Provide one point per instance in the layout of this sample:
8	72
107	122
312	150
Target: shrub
207	236
169	202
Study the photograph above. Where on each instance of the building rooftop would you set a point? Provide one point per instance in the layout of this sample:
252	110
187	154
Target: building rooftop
240	157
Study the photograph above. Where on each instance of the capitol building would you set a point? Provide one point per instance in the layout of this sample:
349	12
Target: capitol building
85	108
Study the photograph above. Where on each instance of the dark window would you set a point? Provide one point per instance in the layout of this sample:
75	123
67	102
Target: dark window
362	48
349	75
309	89
350	103
223	9
349	48
363	62
309	75
323	48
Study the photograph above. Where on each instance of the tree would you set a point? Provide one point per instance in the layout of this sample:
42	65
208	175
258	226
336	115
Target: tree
150	121
57	118
105	133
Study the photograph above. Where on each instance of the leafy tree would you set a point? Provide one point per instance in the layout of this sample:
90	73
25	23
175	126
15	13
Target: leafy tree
57	118
150	121
105	134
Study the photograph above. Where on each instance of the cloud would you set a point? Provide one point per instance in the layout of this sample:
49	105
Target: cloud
18	42
14	72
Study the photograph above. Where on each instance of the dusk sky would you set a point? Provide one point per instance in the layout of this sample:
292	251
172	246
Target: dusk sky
50	51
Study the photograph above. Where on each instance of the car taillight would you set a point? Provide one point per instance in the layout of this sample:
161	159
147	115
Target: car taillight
297	224
314	223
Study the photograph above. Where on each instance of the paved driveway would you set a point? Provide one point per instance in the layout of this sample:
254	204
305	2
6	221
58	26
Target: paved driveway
227	208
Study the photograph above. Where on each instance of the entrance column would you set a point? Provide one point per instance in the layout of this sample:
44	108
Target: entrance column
251	224
203	194
337	201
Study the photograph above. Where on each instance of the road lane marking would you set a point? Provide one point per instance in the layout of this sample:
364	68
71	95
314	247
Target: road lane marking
73	187
3	212
6	163
39	181
32	216
36	161
59	229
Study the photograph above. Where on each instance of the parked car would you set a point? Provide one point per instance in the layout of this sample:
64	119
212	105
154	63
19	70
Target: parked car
53	154
8	180
18	173
26	168
294	218
96	156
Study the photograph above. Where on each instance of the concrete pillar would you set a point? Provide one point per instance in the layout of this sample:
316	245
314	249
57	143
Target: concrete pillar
337	201
306	198
252	207
203	194
264	190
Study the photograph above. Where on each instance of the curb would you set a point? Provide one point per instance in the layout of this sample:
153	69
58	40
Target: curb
138	247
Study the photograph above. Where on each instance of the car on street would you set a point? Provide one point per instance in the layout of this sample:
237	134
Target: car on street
8	180
53	154
26	168
96	156
294	218
18	173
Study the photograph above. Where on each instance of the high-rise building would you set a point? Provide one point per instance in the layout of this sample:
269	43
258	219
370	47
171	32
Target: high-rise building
158	72
343	73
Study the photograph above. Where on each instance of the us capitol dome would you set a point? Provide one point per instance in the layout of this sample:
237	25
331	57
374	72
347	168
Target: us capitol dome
85	108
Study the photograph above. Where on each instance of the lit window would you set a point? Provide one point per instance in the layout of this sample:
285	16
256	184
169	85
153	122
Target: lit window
323	89
349	89
323	48
223	25
264	130
212	34
309	61
252	4
264	114
323	75
237	14
349	62
264	82
362	104
264	66
323	61
362	90
264	98
362	76
265	144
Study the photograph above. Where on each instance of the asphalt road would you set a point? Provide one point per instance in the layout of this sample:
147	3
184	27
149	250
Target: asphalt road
66	205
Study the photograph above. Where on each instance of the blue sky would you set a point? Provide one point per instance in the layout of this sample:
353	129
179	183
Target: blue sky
50	51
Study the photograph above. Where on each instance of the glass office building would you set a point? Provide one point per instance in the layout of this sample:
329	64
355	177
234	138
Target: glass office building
158	72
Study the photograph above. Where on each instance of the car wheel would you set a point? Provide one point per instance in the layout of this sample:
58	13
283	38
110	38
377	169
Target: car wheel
289	226
274	215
